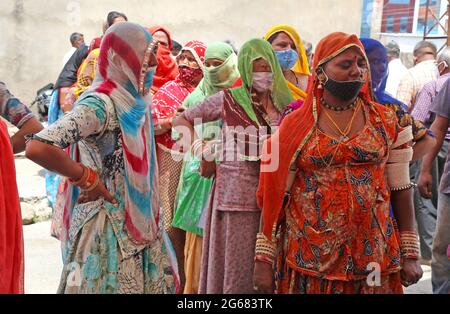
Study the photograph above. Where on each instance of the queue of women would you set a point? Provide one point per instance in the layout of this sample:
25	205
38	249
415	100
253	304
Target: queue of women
224	173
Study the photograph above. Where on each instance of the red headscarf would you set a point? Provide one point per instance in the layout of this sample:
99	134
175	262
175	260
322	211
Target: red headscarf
169	97
272	185
167	69
11	238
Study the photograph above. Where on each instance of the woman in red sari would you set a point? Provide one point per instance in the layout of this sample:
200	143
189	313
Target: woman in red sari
167	100
326	216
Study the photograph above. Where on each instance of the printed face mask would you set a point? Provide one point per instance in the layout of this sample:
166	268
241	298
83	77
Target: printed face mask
287	58
187	74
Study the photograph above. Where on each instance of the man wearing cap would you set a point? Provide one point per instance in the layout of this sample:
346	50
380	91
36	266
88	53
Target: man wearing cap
396	68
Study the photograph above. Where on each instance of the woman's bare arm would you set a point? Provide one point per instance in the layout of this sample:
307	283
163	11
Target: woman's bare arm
54	159
32	126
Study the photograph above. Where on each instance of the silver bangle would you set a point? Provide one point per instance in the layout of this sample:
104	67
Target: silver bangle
404	188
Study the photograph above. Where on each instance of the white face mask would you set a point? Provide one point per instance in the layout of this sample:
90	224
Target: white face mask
262	81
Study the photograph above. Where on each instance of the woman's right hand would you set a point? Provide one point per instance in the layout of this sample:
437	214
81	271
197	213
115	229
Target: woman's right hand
263	278
95	194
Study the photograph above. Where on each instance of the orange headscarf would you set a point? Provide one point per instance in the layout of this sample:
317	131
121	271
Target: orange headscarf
167	69
272	184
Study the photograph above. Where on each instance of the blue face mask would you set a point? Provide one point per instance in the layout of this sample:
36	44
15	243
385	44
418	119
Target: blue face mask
287	58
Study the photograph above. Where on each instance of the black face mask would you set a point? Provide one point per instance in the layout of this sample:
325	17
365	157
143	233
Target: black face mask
345	91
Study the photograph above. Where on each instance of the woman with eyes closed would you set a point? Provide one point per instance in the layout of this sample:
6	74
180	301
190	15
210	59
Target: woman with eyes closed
342	159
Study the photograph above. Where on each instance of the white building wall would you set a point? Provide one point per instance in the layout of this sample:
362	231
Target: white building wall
34	33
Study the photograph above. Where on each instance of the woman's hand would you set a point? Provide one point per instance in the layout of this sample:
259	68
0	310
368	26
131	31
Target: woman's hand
263	278
207	169
180	110
69	100
411	272
95	194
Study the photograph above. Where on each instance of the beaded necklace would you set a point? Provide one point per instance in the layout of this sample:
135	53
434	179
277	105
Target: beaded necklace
338	108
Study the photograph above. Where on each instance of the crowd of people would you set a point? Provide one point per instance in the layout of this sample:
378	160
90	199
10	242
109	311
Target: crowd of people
201	169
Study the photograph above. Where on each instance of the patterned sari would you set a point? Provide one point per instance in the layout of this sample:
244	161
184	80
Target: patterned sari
123	248
328	237
165	105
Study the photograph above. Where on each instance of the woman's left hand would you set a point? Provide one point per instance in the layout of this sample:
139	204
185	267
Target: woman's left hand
411	272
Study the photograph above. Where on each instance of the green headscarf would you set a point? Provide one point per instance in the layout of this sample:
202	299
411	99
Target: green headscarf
218	78
252	50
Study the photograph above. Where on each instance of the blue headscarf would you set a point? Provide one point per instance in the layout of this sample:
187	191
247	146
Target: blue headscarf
379	88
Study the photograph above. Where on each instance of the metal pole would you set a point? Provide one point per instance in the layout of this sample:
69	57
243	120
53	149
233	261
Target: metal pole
448	23
425	29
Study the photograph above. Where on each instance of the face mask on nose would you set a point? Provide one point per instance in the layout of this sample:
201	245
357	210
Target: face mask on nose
287	58
187	74
262	81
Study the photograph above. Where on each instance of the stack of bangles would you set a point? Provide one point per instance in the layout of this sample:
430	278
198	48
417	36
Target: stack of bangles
409	245
266	250
89	179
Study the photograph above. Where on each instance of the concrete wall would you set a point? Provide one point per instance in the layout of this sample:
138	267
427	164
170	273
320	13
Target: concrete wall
34	33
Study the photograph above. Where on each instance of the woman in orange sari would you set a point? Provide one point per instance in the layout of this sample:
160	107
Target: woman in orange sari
326	221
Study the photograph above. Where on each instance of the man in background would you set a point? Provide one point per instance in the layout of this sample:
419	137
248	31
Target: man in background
396	69
423	72
76	40
426	207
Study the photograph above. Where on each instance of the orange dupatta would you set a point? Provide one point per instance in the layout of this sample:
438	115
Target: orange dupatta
272	184
167	69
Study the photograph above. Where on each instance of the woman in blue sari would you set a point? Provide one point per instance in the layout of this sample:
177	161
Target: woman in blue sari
377	55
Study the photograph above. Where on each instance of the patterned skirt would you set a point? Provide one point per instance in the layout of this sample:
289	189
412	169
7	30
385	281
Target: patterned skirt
298	283
96	264
169	177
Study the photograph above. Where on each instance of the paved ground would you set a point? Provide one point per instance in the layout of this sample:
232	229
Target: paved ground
43	263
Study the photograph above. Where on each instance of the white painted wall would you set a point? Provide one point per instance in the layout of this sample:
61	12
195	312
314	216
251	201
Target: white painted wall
34	33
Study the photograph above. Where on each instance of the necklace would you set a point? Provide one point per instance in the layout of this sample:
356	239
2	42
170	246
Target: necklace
344	133
327	164
338	108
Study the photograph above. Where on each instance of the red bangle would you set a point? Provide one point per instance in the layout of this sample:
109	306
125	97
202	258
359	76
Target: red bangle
88	181
83	177
91	181
264	259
